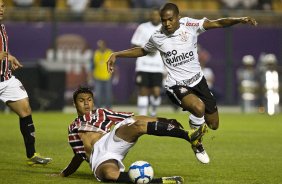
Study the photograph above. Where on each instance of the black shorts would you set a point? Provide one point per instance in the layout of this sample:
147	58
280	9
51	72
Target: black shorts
148	79
201	90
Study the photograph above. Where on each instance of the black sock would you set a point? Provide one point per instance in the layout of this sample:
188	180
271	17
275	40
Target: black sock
28	132
164	129
123	178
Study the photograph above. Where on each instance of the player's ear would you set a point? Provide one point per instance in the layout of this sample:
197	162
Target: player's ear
74	104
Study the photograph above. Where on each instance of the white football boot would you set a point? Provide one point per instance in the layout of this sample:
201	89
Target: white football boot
200	153
197	147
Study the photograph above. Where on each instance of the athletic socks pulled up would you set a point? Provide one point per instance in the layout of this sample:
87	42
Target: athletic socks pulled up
142	103
195	122
28	131
164	129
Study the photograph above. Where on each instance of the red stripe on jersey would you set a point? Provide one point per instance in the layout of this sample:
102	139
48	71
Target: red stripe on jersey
79	149
109	125
87	117
73	137
5	72
101	117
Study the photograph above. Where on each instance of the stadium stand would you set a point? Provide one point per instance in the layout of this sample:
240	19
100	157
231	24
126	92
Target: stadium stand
114	4
267	12
277	5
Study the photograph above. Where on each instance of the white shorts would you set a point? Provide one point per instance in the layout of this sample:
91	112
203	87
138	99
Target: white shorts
12	90
110	147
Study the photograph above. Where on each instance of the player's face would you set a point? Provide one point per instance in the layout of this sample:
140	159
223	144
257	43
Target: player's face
84	103
155	17
2	9
170	21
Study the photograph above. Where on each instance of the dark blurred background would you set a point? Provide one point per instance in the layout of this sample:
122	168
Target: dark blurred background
54	39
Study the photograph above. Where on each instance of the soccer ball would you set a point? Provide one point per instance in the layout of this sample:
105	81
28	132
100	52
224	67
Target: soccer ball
141	172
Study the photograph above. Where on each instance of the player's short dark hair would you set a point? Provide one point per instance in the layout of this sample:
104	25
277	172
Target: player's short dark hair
82	89
169	6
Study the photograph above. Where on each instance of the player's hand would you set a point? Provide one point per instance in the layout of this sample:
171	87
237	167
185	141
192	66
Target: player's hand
249	20
111	63
14	62
3	55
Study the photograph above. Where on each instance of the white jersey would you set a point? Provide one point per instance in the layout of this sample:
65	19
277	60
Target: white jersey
179	52
152	62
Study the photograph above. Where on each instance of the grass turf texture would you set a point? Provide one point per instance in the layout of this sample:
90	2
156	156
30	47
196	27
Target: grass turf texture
245	149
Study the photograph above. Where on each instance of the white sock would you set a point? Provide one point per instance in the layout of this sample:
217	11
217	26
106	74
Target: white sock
195	122
142	103
155	102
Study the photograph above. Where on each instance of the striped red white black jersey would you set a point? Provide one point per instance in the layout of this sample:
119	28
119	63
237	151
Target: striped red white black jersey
5	71
100	120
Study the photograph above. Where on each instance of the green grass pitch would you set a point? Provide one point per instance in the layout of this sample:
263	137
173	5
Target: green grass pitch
246	149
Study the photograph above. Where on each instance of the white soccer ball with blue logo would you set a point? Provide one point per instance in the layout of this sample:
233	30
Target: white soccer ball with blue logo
141	172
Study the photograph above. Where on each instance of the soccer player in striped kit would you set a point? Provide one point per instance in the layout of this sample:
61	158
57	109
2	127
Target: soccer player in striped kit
13	94
92	139
185	84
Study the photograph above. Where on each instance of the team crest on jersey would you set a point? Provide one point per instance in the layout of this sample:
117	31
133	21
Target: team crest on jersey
184	36
183	90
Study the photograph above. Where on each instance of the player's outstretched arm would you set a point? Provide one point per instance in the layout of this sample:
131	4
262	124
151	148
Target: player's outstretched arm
73	166
129	53
3	55
229	21
15	63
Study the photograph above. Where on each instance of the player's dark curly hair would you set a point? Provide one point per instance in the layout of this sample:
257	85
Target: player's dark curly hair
169	6
82	89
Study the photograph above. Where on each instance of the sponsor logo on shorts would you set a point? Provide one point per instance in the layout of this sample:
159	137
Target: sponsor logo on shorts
183	90
22	88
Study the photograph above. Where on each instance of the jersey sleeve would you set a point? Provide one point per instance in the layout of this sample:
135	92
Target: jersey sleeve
137	38
101	120
75	141
150	45
194	25
117	117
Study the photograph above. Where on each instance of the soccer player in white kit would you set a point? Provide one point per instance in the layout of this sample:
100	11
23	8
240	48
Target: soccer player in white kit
14	95
149	69
185	84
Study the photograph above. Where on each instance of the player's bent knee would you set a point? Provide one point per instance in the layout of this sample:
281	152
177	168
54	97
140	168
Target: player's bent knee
140	127
213	125
199	109
24	110
110	176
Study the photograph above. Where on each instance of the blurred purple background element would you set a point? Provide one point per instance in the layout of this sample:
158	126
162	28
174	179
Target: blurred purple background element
29	42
